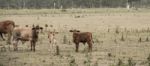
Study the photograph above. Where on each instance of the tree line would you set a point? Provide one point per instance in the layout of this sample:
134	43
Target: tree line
37	4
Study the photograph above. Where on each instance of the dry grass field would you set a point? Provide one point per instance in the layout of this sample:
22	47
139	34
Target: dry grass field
119	34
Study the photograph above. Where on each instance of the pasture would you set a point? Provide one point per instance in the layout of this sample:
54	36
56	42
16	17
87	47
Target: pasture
117	34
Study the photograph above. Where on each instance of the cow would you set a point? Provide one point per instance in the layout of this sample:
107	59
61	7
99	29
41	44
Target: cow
39	27
82	37
6	27
25	34
52	39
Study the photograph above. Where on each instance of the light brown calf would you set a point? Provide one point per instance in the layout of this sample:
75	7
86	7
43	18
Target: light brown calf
25	34
52	40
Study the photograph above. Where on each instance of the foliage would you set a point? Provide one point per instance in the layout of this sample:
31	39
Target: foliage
38	4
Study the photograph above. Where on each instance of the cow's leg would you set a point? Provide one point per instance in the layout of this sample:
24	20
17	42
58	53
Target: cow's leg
15	45
9	37
10	32
2	36
55	45
77	47
90	46
31	44
34	43
50	46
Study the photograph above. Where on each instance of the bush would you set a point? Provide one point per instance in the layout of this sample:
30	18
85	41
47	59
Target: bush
130	62
147	39
140	39
122	38
65	39
120	62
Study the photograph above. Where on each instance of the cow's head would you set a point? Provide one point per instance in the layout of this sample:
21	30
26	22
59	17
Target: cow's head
53	33
74	30
35	30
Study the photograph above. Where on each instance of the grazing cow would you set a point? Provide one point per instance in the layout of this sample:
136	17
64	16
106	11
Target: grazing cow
52	39
25	34
83	37
6	27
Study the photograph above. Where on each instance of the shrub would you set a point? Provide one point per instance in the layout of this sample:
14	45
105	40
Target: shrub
65	39
57	50
148	59
130	62
140	39
122	38
120	62
147	39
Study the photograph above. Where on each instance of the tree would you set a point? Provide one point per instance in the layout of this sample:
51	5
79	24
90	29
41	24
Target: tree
19	4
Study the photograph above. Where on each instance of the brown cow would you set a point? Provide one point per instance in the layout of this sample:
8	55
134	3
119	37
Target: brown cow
25	34
83	37
6	27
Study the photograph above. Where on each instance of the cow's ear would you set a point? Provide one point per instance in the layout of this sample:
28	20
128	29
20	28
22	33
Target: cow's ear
78	30
70	30
41	28
33	28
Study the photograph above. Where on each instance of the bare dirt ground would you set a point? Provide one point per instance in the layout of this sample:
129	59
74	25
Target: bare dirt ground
108	46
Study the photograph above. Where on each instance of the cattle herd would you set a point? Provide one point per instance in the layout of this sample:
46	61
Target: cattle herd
18	33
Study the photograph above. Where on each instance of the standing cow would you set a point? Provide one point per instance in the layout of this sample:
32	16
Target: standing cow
6	27
25	34
83	37
52	39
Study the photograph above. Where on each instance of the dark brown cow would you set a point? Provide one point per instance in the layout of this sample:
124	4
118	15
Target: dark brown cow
6	27
25	34
83	37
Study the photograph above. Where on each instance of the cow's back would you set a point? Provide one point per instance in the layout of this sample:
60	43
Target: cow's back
6	26
24	32
82	37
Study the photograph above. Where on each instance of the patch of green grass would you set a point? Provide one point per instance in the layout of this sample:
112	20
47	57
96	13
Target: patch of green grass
1	64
